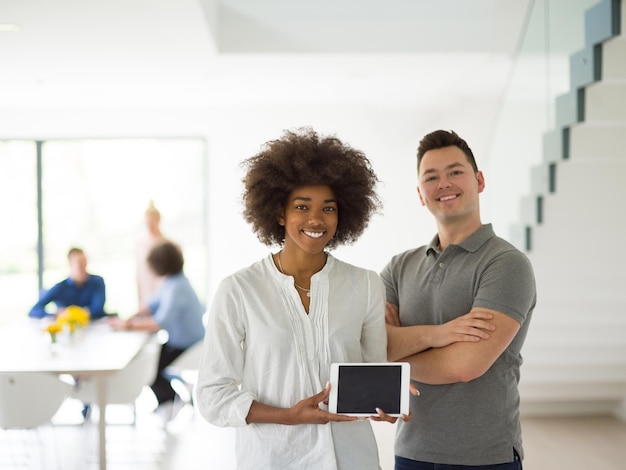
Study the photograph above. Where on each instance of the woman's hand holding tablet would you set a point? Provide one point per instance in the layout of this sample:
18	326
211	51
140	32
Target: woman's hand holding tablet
364	389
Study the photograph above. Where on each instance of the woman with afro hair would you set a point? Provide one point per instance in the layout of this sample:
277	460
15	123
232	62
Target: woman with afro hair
275	327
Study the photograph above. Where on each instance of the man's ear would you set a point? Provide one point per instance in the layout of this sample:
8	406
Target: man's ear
419	193
481	181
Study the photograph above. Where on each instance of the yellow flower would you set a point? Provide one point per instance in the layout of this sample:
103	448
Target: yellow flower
53	329
74	316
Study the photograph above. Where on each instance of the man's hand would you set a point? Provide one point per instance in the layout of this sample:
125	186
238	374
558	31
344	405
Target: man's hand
471	327
403	342
117	323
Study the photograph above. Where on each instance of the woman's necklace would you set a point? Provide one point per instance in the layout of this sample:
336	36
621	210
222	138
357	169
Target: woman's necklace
280	267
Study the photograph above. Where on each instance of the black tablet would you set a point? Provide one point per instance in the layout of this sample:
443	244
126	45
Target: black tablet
357	389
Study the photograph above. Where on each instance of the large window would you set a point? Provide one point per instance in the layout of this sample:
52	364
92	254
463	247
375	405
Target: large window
94	194
18	213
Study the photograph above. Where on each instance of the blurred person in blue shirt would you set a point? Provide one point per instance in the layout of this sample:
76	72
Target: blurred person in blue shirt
80	288
174	307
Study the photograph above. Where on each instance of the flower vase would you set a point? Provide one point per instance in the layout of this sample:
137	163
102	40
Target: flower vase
54	345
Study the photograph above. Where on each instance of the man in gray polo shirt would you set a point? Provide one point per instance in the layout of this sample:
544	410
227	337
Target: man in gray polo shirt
458	311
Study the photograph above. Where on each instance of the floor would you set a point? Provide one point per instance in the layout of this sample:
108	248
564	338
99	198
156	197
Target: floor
591	442
185	441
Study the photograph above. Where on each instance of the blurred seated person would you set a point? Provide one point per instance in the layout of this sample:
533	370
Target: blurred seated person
80	288
174	307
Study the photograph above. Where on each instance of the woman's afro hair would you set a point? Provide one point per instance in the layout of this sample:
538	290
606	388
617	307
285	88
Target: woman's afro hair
303	158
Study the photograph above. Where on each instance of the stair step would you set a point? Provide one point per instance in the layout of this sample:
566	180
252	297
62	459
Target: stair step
576	407
566	112
599	22
571	390
614	58
574	312
601	98
578	354
552	145
583	68
528	208
589	337
572	373
592	140
539	183
603	62
575	352
606	171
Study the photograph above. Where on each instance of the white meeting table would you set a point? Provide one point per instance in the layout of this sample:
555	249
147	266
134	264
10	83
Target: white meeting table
94	352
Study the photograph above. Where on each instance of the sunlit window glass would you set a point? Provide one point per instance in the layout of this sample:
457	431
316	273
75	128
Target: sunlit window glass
18	212
95	193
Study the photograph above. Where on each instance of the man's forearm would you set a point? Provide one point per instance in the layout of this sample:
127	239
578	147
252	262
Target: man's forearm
405	341
438	366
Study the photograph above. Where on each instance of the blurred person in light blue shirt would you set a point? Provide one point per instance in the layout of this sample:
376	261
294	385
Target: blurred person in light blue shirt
174	307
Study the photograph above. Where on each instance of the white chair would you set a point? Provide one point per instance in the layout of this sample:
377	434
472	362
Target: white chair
125	386
28	401
183	372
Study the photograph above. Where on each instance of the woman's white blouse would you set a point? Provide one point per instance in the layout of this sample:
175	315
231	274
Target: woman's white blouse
261	345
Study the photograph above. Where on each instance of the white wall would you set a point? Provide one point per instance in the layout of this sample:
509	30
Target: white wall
388	135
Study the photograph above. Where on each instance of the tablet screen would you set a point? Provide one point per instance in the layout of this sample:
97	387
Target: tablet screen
360	389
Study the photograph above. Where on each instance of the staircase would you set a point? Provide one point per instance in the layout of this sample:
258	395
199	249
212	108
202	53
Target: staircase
575	234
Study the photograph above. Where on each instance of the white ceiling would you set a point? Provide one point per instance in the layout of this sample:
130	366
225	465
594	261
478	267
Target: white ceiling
378	72
368	26
103	54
